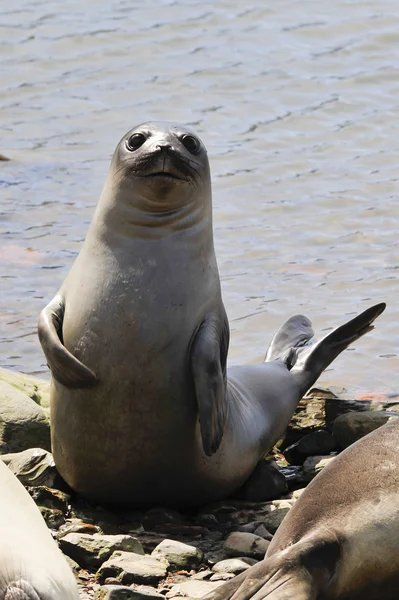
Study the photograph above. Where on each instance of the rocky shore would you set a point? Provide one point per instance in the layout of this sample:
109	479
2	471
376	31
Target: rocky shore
163	552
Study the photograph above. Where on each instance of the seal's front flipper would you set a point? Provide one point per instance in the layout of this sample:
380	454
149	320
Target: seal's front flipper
302	571
65	368
208	357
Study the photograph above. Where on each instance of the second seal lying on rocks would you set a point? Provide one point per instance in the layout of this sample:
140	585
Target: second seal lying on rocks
142	407
31	565
340	541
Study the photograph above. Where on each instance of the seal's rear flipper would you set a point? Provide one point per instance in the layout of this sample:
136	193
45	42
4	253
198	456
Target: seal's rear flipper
309	362
208	355
301	571
295	332
65	368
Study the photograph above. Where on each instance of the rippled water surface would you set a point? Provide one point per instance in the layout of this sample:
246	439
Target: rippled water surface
297	103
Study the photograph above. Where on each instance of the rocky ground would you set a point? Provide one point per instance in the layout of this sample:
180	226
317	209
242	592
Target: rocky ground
121	554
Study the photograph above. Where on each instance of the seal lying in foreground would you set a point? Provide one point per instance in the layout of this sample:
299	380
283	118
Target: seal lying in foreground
31	565
142	407
340	541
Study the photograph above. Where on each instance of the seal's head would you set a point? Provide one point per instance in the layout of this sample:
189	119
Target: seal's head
161	167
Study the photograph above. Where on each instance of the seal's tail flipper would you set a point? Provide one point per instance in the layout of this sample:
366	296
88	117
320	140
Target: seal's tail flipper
20	590
301	571
308	362
295	333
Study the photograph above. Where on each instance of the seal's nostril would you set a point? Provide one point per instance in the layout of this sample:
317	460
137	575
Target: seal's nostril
163	146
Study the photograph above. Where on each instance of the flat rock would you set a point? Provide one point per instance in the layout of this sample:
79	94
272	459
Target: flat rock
240	544
128	567
23	423
37	389
178	555
34	467
265	483
352	426
197	589
274	519
90	551
234	565
123	592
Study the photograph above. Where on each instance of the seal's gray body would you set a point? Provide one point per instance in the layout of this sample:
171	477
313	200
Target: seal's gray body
146	414
341	539
31	565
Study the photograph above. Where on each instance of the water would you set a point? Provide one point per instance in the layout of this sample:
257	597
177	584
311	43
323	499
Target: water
297	103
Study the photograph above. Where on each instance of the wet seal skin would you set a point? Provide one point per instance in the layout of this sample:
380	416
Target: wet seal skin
143	409
340	541
31	565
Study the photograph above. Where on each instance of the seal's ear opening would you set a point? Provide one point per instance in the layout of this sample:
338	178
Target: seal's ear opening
64	367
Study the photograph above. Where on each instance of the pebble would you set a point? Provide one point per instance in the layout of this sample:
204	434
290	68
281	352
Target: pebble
234	565
178	555
240	543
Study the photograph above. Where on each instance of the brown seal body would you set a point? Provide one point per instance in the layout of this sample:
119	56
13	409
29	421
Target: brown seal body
31	565
340	541
142	407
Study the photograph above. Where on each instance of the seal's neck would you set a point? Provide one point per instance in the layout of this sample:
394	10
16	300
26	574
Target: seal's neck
122	215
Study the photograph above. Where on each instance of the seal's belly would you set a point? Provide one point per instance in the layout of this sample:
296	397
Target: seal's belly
139	426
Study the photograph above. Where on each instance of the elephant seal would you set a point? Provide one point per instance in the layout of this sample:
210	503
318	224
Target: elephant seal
31	565
340	541
142	408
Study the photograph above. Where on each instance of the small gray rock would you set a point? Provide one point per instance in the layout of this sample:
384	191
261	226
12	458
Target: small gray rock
178	555
352	426
50	498
274	519
90	551
34	467
197	589
128	567
23	423
123	592
240	543
313	465
234	565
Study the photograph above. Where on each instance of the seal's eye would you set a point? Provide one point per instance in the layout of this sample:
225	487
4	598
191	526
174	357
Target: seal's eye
135	141
191	143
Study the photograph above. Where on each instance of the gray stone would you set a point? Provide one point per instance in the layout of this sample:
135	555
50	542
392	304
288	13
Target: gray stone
274	519
240	543
265	483
34	467
50	498
128	567
178	555
122	592
313	465
54	518
197	589
23	423
90	551
221	576
352	426
234	565
37	389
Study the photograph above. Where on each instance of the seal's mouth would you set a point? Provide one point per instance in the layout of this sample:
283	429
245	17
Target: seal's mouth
164	175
